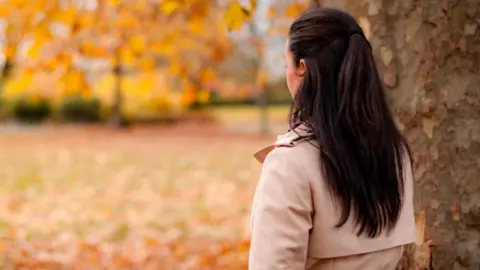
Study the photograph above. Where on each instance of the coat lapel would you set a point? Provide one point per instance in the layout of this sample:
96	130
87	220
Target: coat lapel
288	139
261	154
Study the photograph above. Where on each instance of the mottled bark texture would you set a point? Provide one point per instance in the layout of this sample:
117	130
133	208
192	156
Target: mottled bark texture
428	52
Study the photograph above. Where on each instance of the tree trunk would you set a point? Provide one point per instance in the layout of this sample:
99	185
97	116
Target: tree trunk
6	70
263	105
116	118
262	97
428	53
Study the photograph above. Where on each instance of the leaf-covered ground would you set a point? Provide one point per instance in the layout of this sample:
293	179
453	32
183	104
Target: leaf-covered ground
147	198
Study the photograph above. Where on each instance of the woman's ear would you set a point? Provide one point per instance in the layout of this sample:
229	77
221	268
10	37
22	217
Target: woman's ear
301	68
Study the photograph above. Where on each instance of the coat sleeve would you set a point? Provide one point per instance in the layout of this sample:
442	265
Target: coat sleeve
281	215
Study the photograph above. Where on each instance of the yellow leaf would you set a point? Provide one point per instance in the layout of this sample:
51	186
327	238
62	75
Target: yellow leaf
272	12
428	125
207	76
114	2
87	47
137	44
253	4
203	96
86	93
146	84
164	46
126	19
295	10
66	16
235	16
52	63
34	51
4	11
19	84
127	56
188	96
365	25
104	88
176	68
86	20
147	63
196	26
65	59
9	53
169	6
420	228
140	6
129	84
75	81
248	5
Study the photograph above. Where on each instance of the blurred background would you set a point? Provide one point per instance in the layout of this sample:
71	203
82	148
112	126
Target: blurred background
125	62
127	127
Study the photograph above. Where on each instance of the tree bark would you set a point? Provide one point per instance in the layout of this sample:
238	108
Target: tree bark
263	105
117	119
262	97
428	54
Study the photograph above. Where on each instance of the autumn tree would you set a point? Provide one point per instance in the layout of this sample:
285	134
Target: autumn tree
124	36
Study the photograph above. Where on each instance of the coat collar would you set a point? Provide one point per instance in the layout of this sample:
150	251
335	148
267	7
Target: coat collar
286	140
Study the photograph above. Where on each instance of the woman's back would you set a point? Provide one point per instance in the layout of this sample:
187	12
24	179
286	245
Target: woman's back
292	197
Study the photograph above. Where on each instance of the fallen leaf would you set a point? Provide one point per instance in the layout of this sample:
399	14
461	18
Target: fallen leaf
428	124
420	228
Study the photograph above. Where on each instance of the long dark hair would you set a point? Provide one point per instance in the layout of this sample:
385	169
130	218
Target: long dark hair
341	99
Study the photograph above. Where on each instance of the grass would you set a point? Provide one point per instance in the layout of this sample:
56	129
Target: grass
248	118
278	114
90	198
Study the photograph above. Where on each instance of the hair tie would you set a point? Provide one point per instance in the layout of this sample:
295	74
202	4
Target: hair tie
360	32
354	31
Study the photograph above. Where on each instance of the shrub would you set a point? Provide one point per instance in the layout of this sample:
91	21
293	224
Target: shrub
31	109
76	108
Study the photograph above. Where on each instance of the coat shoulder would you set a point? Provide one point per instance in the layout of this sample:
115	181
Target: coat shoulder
291	154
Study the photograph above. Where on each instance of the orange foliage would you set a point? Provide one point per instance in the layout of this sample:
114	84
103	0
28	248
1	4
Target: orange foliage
133	32
294	10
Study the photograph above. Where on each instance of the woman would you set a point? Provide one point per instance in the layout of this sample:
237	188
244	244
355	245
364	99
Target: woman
336	191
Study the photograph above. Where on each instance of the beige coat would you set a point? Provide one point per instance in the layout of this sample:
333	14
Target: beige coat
293	216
